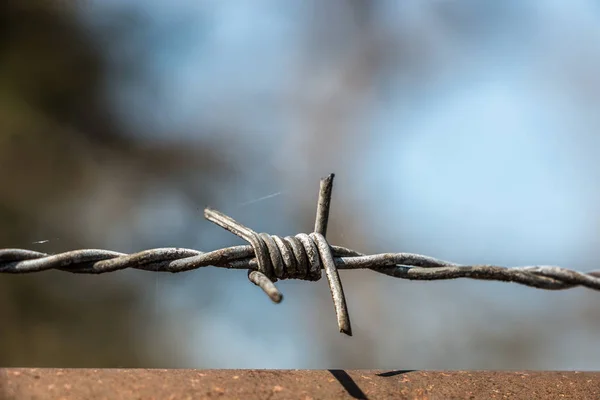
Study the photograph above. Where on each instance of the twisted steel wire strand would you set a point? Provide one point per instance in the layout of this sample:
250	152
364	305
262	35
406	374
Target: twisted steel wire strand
269	258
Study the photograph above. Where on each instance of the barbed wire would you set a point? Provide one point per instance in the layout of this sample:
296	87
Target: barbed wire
270	258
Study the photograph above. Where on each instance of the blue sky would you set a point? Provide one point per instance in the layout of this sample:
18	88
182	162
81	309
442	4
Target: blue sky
487	168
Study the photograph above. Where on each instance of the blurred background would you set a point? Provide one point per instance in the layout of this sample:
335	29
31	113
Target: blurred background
466	131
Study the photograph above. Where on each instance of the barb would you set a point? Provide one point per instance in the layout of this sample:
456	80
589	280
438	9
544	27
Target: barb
270	258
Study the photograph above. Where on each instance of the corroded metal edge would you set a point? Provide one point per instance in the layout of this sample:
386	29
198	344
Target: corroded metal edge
174	384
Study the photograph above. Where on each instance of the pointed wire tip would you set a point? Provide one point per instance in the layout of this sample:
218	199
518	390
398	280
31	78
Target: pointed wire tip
346	330
276	298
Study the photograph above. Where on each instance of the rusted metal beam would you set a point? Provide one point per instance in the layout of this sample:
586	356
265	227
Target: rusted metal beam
117	384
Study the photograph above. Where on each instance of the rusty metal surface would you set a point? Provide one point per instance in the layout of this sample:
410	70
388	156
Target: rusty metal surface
117	384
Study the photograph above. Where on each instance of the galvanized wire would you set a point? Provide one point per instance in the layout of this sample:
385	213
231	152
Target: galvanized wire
269	258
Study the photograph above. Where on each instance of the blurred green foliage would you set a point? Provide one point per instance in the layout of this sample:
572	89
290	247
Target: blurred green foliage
57	139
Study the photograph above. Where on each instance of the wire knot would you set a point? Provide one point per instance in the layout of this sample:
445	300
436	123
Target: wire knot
294	257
